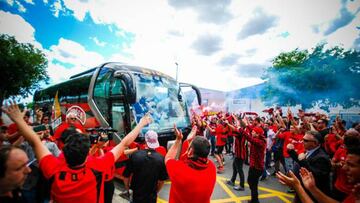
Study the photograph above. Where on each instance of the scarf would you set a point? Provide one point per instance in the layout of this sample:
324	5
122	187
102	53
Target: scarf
198	164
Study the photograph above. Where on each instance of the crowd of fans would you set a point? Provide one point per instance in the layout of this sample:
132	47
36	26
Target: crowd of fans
317	160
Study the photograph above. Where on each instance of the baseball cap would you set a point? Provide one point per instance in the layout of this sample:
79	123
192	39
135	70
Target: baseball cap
151	139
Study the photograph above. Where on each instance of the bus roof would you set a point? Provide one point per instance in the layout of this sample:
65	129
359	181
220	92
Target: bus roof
124	67
84	77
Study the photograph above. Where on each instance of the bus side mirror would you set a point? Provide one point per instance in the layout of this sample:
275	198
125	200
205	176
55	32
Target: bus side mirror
130	87
194	88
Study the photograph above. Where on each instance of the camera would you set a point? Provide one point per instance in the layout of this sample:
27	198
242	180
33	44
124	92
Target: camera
95	134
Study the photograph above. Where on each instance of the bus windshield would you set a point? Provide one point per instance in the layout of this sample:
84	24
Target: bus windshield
160	97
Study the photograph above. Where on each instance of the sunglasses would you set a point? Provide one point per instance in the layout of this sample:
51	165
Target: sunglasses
73	119
30	162
306	140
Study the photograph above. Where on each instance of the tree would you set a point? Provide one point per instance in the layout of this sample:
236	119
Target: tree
326	77
23	67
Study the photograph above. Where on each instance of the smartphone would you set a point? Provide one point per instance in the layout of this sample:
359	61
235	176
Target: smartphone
39	128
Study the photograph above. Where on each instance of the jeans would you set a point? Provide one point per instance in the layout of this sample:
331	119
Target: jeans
213	143
289	162
253	181
267	162
238	168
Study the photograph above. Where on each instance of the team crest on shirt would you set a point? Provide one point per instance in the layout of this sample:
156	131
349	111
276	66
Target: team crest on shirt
80	113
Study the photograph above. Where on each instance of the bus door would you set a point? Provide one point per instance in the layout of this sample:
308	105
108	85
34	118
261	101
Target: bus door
120	111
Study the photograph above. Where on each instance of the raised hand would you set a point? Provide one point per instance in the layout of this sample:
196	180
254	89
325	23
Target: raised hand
290	180
13	111
146	120
290	146
178	133
307	178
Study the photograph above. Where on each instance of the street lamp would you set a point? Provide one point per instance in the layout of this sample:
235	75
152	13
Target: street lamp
177	70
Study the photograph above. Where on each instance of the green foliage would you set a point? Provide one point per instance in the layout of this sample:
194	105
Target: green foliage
290	59
23	67
327	77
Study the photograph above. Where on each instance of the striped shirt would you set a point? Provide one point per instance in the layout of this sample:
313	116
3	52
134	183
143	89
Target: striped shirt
240	147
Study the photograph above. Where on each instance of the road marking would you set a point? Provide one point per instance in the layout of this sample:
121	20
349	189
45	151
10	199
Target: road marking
224	187
234	198
265	189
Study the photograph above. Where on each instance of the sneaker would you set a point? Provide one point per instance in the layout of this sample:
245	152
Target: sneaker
220	169
238	188
231	183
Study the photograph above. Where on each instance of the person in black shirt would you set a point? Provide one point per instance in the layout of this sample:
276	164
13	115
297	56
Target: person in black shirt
148	171
14	169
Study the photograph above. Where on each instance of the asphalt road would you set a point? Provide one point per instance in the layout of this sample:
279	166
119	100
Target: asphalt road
270	190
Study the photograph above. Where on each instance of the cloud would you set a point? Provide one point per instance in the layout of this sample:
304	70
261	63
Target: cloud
57	7
79	8
55	68
160	32
67	51
175	33
20	7
15	25
30	2
229	60
209	11
207	44
250	70
251	52
345	18
98	42
258	24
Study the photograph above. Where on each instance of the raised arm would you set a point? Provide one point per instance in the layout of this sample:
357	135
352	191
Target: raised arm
171	154
192	134
129	138
15	115
293	182
309	183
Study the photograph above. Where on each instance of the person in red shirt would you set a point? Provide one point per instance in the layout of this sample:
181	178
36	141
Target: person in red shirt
257	156
293	138
221	131
332	141
71	121
192	177
78	179
342	187
239	155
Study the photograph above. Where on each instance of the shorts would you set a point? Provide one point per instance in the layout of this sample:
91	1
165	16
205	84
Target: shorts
219	149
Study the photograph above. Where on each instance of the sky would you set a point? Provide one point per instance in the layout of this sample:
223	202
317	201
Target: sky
218	44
